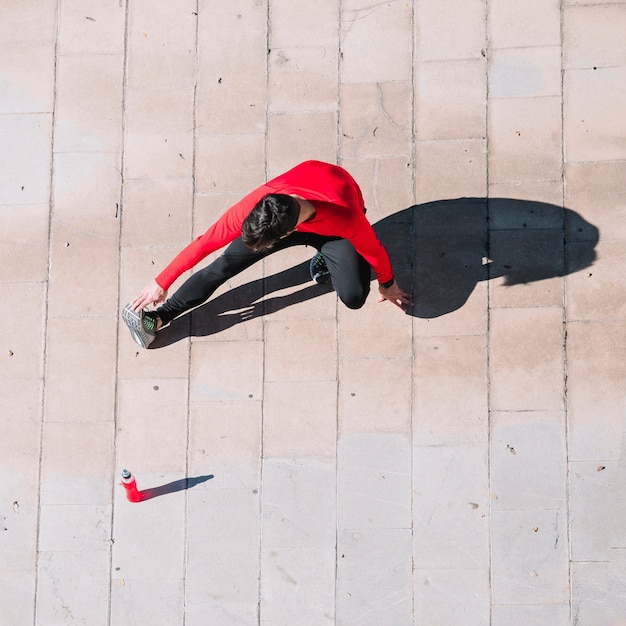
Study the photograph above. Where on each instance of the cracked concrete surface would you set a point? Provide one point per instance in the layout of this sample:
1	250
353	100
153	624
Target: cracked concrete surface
307	464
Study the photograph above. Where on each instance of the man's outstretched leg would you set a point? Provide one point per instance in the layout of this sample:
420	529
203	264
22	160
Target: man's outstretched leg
198	288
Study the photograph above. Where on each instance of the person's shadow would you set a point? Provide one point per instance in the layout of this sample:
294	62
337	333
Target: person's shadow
439	251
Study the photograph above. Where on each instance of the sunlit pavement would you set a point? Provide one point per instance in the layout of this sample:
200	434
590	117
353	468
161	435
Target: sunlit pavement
303	463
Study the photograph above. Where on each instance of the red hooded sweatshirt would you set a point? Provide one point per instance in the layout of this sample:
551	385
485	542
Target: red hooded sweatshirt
339	212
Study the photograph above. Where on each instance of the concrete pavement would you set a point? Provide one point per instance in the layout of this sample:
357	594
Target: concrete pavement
460	465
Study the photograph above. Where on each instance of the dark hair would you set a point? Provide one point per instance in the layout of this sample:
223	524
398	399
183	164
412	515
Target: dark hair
272	217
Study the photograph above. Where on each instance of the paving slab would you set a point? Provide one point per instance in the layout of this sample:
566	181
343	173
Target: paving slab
450	381
24	252
387	182
451	524
451	596
298	586
597	534
73	586
451	99
305	135
89	105
29	75
525	140
372	476
157	142
91	27
594	200
557	614
80	389
300	462
530	560
296	427
513	26
447	30
592	129
451	169
378	119
374	41
374	576
146	601
527	462
161	44
595	399
75	463
222	586
361	405
86	185
25	158
526	359
591	584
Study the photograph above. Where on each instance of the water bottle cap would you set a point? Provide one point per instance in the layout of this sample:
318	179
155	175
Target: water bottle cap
125	473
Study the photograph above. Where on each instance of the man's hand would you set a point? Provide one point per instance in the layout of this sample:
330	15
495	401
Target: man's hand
152	293
396	296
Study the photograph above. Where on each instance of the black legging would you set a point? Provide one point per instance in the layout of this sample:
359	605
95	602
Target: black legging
349	271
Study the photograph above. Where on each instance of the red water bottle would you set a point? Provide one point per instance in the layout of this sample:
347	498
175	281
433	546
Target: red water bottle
128	482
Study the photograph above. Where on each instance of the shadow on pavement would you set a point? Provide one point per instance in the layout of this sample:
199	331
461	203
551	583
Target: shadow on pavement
443	249
177	485
439	250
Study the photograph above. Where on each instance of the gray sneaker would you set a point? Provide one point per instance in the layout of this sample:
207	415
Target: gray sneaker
142	327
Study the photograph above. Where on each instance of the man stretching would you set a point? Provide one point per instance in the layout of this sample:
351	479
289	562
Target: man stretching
315	204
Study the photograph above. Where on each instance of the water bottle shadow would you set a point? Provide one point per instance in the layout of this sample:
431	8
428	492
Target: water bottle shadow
177	485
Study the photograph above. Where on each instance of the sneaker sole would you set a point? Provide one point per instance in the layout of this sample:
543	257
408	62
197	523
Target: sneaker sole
321	279
132	319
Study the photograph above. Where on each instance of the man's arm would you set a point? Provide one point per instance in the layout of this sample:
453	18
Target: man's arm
226	229
222	232
369	247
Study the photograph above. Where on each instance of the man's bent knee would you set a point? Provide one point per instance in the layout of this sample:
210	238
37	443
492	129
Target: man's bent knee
355	298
